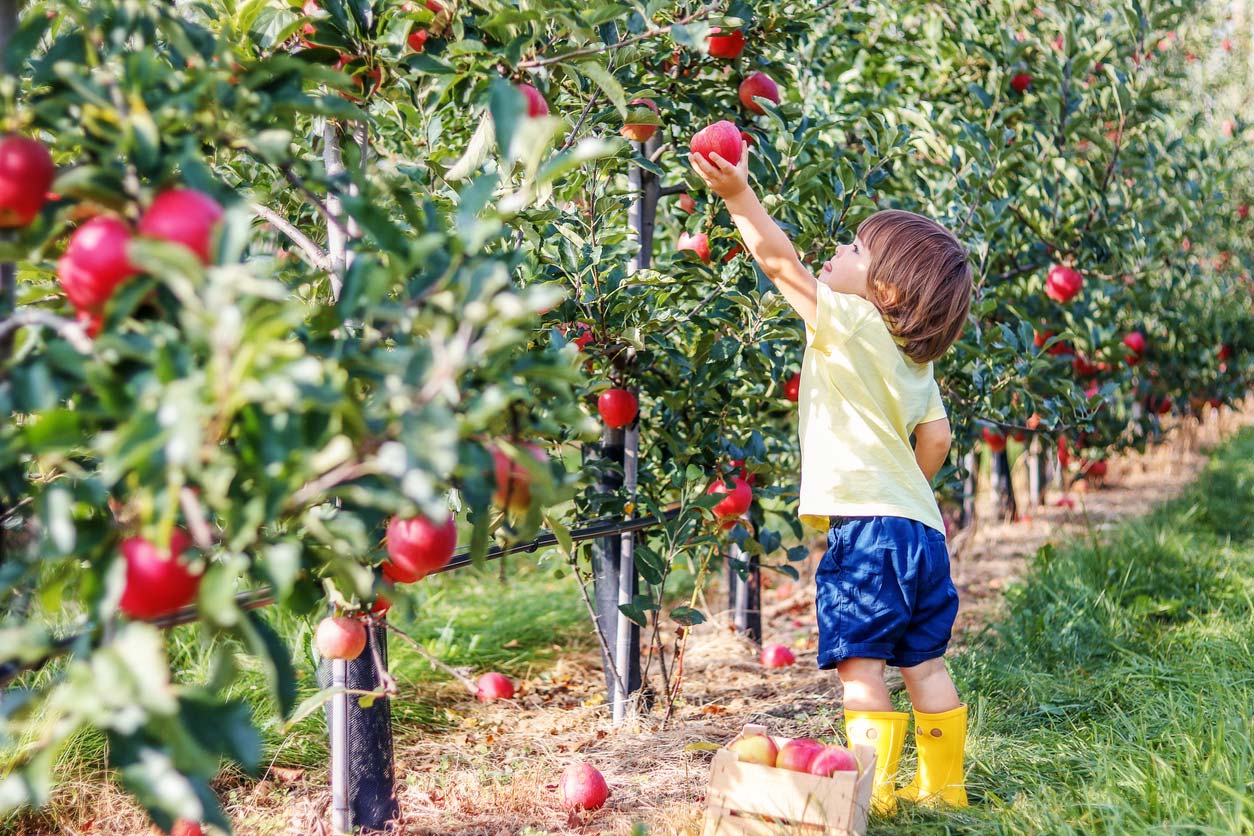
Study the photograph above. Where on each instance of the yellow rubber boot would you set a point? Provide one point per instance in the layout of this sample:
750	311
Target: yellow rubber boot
886	731
940	740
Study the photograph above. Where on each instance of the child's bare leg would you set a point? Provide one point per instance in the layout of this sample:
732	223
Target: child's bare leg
930	688
863	680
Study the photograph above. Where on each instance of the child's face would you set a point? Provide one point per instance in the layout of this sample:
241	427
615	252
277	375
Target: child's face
846	271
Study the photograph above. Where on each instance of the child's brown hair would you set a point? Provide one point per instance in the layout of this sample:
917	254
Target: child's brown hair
919	279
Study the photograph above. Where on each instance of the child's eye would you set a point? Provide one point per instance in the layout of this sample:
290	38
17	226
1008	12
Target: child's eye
855	249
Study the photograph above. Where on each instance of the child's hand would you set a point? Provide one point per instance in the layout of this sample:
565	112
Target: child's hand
723	178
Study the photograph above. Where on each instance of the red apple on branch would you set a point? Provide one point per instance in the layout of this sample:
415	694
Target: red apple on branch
583	788
1020	82
1063	283
513	481
95	262
183	216
738	498
728	45
698	243
722	138
638	131
157	581
792	388
26	172
340	637
417	39
687	204
760	85
618	407
996	441
418	546
536	105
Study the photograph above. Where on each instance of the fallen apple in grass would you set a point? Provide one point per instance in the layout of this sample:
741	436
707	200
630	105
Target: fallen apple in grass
797	755
340	637
755	748
494	686
583	787
833	759
777	656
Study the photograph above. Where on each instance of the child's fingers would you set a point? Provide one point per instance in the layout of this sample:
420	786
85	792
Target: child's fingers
719	162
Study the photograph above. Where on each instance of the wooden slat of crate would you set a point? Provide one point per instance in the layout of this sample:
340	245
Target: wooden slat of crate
742	795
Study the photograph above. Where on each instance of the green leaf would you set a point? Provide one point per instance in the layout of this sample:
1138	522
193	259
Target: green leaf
687	616
224	728
508	106
608	84
275	657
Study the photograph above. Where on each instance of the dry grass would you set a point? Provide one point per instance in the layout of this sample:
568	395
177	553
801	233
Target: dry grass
496	770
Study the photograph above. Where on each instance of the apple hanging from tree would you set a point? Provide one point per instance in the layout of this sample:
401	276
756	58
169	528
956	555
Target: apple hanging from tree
728	45
1243	211
494	686
618	407
738	498
761	85
513	481
536	105
157	581
95	262
1135	342
26	172
1020	82
582	329
687	203
183	216
777	656
996	441
722	138
792	388
1062	283
583	787
340	637
640	131
418	546
698	243
755	748
417	39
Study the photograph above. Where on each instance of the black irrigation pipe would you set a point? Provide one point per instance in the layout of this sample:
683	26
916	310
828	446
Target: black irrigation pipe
256	599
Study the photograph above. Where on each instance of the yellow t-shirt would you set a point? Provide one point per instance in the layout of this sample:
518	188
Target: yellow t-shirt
861	398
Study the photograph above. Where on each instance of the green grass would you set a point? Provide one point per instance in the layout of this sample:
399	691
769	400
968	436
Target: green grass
1117	696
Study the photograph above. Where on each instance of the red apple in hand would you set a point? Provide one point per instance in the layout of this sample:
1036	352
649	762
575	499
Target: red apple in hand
183	216
95	262
722	138
26	172
777	656
729	45
536	105
833	759
494	686
797	755
1063	283
418	546
157	581
761	85
583	787
618	407
755	748
637	131
792	388
737	501
340	637
699	244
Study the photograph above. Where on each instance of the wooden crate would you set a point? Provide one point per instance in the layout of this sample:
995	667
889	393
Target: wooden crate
748	799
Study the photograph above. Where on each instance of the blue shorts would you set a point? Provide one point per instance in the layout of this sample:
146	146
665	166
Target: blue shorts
884	592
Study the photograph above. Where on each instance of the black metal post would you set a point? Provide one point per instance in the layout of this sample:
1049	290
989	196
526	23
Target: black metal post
745	595
1007	505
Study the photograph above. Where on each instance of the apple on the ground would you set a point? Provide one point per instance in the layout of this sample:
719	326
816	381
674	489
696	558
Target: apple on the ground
583	787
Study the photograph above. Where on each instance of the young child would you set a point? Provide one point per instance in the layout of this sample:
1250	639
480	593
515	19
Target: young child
877	315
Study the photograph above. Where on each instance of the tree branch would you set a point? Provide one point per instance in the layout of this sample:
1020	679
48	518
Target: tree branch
70	331
312	252
596	50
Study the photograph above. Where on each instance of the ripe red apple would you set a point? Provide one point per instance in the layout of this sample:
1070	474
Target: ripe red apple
1094	468
183	827
638	132
722	138
1039	338
95	262
833	759
340	637
418	546
996	441
726	46
761	85
777	656
360	77
737	501
1082	366
183	216
1225	352
618	407
1064	452
381	605
583	787
583	329
494	686
1243	211
26	172
797	755
699	244
513	481
157	582
687	204
417	39
755	748
536	105
91	321
792	388
1063	283
1020	82
1226	44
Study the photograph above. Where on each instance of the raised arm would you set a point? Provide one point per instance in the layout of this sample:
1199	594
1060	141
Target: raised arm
766	242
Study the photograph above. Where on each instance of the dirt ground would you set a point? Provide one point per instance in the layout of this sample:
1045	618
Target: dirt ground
496	772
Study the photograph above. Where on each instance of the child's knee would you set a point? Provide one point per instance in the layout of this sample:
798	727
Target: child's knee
861	670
